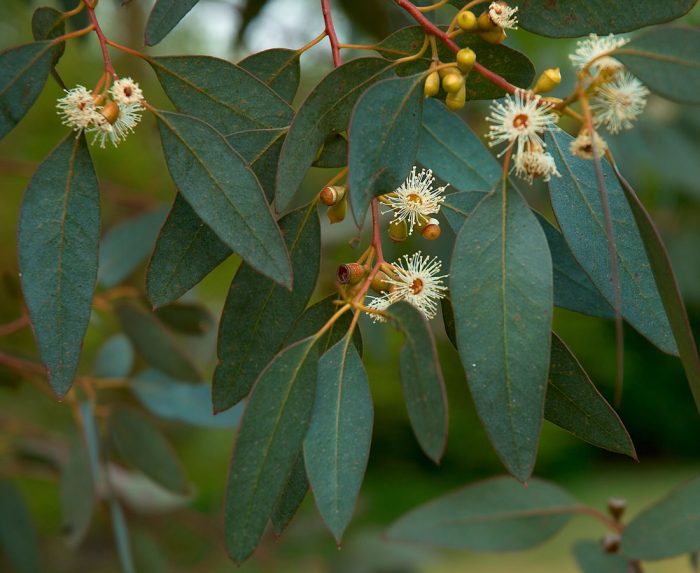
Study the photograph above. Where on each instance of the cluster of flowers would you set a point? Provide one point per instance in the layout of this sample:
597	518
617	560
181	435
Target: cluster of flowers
617	98
107	119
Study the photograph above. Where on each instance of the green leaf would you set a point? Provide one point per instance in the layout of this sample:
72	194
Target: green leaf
47	24
268	443
591	558
126	246
224	192
573	288
511	64
142	445
149	557
258	313
18	538
383	143
278	68
174	400
421	380
59	233
186	251
668	288
326	110
333	152
572	18
164	16
494	515
220	93
315	317
667	60
576	203
261	150
121	537
453	151
115	358
336	447
23	73
292	495
154	342
192	319
668	528
77	494
503	317
574	403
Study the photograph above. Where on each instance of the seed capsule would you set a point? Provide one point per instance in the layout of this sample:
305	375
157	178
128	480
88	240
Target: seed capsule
350	273
431	88
332	195
465	59
467	21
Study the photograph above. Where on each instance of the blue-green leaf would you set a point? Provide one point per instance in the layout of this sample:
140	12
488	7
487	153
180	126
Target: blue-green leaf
77	494
592	558
59	233
291	497
18	538
115	358
164	16
278	68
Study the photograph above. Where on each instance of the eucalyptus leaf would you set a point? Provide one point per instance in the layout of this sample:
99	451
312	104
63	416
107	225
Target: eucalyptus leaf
494	515
279	68
121	537
223	191
421	379
261	150
271	434
591	558
576	203
164	16
668	528
59	233
383	143
333	152
47	24
18	539
77	495
291	497
325	110
336	447
23	73
127	245
258	313
142	445
503	316
186	251
186	318
667	60
115	358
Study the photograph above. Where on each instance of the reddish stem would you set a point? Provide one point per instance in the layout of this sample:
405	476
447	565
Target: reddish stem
431	28
14	326
109	68
330	30
376	236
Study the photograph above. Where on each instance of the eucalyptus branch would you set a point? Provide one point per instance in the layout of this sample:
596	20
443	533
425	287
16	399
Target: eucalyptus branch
330	31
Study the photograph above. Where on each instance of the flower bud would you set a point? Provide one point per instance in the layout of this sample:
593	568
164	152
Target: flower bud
336	213
611	542
432	84
616	507
331	195
456	101
380	282
548	81
350	273
448	70
484	21
494	35
431	230
452	83
465	59
398	230
110	111
467	21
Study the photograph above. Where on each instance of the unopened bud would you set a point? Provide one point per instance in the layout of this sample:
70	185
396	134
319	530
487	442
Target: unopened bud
350	273
442	72
431	231
494	36
110	111
331	195
398	230
616	507
456	101
452	83
467	21
336	213
611	542
432	84
380	282
548	80
465	59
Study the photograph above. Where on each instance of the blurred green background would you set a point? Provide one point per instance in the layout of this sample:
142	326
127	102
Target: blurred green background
660	157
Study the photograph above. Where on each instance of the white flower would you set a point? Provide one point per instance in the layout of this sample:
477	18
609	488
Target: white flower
77	108
126	91
503	15
531	164
117	130
618	103
418	282
415	199
594	46
522	117
379	303
582	146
